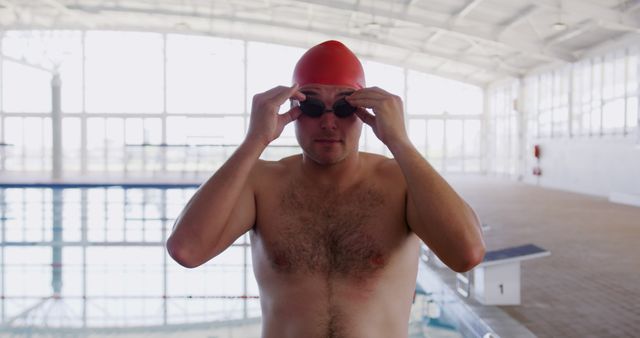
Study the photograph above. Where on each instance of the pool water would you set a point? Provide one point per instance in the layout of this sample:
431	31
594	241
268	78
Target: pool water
91	258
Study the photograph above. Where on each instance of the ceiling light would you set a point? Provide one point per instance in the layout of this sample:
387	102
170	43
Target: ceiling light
373	25
559	26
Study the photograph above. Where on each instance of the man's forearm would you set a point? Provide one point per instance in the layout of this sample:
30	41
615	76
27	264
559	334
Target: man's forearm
443	219
203	219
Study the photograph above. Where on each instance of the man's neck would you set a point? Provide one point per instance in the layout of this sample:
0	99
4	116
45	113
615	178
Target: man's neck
341	173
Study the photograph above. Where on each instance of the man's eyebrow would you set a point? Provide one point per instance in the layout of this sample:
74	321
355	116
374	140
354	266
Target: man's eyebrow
308	92
348	92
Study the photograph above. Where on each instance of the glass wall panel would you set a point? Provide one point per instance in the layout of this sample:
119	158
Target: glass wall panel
27	274
389	78
124	72
205	75
604	97
134	103
472	138
25	89
59	50
435	143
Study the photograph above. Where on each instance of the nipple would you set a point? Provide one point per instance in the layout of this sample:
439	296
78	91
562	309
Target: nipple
377	260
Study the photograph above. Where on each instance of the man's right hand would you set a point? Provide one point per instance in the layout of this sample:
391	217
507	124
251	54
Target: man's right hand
266	124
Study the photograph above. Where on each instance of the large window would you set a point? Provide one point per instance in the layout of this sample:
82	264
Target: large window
143	102
268	66
552	94
124	72
594	97
204	75
504	141
445	121
391	79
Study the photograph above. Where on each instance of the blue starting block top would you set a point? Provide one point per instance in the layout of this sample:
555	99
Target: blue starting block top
513	254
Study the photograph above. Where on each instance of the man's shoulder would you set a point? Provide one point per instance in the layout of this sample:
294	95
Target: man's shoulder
269	175
380	163
264	168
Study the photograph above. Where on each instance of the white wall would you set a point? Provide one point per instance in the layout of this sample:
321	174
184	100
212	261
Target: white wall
584	116
597	166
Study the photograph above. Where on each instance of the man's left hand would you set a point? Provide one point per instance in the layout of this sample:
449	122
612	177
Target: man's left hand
387	120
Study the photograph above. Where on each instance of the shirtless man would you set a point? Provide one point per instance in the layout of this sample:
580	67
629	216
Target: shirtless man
335	233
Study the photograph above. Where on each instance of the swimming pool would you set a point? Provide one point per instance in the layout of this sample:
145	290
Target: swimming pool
91	258
443	313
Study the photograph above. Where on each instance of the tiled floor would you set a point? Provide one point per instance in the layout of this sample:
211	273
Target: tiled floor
590	285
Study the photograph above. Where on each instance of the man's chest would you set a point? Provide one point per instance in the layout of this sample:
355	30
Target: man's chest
338	234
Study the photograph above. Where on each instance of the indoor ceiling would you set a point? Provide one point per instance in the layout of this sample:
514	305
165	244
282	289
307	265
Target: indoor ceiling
475	41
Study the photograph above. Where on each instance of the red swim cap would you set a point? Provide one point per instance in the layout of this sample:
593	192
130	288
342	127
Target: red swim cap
330	63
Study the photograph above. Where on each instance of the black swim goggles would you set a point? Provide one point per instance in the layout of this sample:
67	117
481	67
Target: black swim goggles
315	108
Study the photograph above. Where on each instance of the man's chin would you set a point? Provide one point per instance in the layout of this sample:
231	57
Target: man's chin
325	159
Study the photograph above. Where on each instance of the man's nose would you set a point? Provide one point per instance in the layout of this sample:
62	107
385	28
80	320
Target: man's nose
328	119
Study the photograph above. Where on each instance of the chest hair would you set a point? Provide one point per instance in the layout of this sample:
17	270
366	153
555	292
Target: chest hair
328	232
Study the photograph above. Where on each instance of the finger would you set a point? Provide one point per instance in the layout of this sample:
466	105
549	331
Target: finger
286	93
300	96
379	90
289	93
374	90
365	116
371	91
273	92
370	98
290	115
367	102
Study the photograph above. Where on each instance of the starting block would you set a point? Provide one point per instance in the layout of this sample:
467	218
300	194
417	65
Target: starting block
496	281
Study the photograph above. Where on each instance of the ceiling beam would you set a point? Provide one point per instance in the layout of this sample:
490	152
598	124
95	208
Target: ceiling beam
441	73
534	29
391	43
442	64
497	60
282	40
10	5
534	50
519	17
65	10
470	6
18	11
462	59
329	32
576	30
432	38
617	27
586	9
630	6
